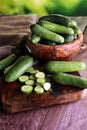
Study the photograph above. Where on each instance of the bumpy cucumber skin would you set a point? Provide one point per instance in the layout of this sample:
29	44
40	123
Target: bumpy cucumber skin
64	66
68	79
35	38
44	33
19	68
56	18
7	61
57	28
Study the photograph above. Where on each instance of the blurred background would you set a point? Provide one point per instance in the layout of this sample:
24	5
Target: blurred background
44	7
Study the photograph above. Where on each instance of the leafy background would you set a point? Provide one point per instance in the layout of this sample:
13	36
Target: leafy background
44	7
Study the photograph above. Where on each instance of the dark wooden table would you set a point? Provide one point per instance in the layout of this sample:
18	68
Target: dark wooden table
70	116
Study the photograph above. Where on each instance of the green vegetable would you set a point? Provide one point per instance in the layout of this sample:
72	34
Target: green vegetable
77	30
26	89
7	61
44	33
69	38
40	75
29	82
64	66
40	81
19	68
68	79
57	18
35	38
23	78
47	86
57	28
38	90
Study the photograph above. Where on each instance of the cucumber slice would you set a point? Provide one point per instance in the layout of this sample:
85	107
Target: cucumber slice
40	75
40	81
23	78
32	77
38	90
34	71
47	86
27	89
29	82
30	69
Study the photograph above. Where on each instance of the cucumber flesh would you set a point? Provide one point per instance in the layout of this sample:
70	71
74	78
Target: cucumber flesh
26	89
68	79
38	89
47	86
23	78
29	82
40	75
40	81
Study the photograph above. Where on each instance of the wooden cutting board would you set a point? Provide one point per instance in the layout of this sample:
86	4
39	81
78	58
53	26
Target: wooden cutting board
13	100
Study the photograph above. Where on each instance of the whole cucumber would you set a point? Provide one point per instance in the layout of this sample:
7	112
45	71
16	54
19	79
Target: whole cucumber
44	33
19	68
57	28
59	19
68	79
7	61
64	66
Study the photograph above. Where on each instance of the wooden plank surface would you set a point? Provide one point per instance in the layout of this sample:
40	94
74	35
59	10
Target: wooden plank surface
71	116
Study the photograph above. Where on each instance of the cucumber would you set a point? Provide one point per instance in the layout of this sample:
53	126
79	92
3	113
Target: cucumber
44	33
57	28
26	89
19	68
47	86
40	75
69	38
32	77
23	78
35	38
68	79
29	82
38	90
34	71
77	30
64	66
7	61
40	81
57	18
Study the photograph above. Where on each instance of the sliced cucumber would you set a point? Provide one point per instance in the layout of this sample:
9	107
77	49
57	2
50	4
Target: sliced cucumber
29	82
40	81
26	89
23	78
34	71
47	86
30	69
38	90
32	77
40	75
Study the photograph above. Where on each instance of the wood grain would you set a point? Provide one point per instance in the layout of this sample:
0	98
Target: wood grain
70	116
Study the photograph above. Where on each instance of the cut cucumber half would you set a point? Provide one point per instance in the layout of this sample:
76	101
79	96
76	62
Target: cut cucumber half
40	75
23	78
27	89
38	90
29	82
47	86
